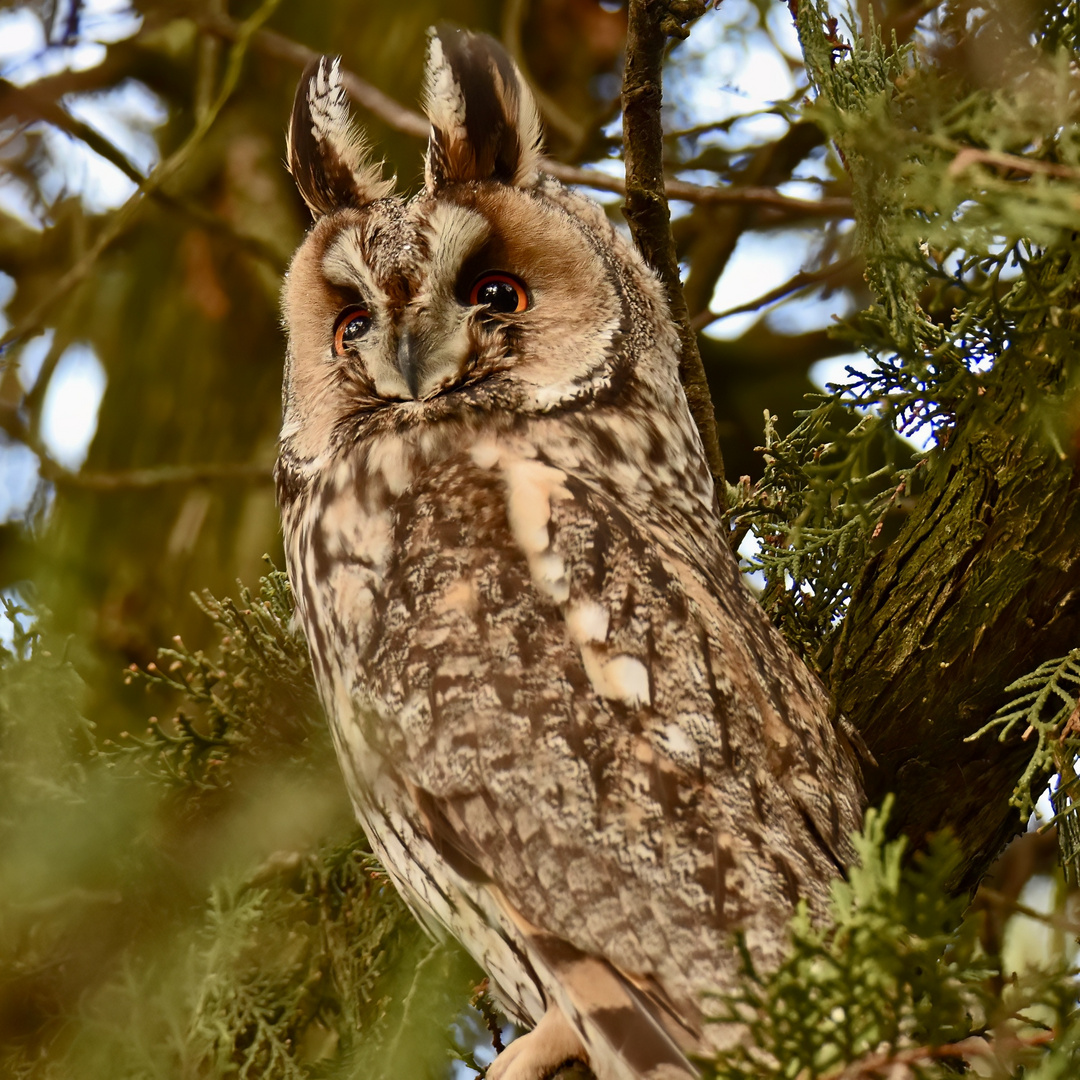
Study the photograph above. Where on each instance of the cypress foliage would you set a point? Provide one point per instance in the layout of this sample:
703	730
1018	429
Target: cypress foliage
894	569
197	900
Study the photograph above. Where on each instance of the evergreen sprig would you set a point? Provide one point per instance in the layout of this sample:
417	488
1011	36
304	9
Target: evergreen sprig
816	512
893	981
1046	703
962	194
254	696
295	964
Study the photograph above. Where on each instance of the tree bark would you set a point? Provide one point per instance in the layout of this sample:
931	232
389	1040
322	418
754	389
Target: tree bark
981	586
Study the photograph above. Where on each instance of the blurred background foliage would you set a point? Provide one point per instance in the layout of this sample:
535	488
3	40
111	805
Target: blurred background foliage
191	898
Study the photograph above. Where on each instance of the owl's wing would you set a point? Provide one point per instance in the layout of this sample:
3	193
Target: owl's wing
605	730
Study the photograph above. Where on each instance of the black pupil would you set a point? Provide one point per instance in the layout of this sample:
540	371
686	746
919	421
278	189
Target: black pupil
498	295
356	326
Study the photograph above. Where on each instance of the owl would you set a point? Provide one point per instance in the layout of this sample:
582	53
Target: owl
571	736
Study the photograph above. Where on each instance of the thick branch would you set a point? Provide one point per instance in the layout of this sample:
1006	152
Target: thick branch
646	207
979	588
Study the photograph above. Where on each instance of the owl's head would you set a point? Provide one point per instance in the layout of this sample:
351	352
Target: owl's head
493	295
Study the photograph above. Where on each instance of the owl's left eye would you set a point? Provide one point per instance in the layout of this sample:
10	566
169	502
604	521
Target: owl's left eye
352	325
499	292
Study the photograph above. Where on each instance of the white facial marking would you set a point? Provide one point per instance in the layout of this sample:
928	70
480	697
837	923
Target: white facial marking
346	266
457	234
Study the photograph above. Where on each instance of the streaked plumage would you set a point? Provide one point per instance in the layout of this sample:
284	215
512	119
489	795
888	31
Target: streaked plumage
568	730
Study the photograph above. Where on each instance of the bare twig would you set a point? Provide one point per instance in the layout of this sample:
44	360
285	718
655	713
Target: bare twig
271	43
409	122
646	208
122	218
799	281
555	116
903	24
701	194
874	1065
13	424
162	476
28	106
970	155
988	897
419	973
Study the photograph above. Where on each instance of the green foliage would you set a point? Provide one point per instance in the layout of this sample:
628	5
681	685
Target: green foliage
894	980
261	670
199	902
965	197
1046	703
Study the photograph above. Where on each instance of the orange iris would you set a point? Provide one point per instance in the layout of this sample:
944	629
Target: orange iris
500	292
351	326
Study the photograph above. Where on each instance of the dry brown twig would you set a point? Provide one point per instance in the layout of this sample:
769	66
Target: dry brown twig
801	280
402	119
874	1066
162	476
970	155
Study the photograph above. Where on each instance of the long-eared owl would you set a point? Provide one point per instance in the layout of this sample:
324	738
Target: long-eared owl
571	735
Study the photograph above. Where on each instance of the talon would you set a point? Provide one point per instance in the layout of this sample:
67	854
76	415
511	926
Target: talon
539	1054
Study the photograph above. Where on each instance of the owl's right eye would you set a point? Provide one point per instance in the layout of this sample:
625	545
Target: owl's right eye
353	323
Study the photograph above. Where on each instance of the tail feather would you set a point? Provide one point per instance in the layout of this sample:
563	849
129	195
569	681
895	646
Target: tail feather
620	1025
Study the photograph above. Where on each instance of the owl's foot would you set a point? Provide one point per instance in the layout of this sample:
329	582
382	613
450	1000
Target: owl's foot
539	1054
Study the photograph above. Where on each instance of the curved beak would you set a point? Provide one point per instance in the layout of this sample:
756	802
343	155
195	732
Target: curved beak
409	361
429	355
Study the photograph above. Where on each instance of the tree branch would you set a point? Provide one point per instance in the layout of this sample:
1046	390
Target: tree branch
876	1065
121	219
646	208
978	589
31	107
405	120
162	476
271	43
801	280
13	424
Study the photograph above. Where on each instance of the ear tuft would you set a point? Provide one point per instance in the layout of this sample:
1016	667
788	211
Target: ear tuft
327	155
484	120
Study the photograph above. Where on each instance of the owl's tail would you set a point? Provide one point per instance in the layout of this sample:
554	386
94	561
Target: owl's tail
626	1032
